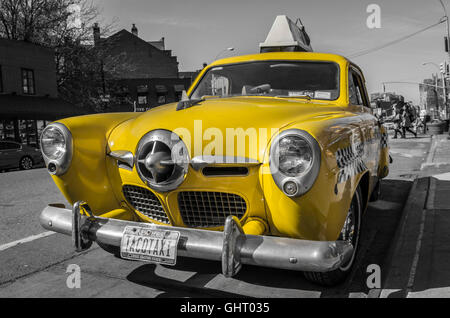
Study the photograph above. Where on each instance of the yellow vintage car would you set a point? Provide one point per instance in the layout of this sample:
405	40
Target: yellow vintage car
269	159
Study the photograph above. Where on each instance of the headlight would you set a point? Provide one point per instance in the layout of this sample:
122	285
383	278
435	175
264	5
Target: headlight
56	146
294	161
294	155
53	143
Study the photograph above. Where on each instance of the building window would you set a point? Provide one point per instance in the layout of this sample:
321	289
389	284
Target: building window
28	81
142	100
179	88
161	94
162	98
1	80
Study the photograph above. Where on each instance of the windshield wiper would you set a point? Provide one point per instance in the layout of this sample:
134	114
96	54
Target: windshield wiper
301	96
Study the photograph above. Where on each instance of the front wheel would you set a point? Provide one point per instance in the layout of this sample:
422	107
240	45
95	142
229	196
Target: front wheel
350	232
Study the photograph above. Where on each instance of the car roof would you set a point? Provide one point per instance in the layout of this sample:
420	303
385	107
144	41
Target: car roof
312	56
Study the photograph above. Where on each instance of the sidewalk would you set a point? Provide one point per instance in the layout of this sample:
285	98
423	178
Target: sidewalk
420	258
438	160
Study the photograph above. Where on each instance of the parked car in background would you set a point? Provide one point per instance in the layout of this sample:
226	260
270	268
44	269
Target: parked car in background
16	155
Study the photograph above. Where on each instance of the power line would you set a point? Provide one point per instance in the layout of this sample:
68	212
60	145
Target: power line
377	48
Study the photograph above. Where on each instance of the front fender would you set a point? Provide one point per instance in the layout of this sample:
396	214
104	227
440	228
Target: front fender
86	178
349	151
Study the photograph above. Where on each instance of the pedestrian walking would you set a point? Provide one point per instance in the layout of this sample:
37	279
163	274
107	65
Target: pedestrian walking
397	120
407	119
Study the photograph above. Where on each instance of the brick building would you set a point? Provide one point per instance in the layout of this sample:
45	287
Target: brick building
146	74
28	91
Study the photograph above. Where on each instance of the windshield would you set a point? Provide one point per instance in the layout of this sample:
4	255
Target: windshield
315	80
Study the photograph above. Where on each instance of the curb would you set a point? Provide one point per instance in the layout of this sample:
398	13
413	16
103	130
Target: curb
403	255
431	153
435	140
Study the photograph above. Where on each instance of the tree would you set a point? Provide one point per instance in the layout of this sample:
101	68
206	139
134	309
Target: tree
66	27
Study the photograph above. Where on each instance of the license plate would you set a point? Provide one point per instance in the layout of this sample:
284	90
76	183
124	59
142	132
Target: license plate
150	245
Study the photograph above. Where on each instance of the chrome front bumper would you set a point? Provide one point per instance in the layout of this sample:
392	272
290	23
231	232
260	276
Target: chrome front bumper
232	247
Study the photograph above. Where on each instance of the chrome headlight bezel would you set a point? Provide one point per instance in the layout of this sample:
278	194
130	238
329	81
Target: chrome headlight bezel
58	165
304	180
179	156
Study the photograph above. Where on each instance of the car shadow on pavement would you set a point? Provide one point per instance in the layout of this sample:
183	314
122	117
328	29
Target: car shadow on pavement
199	277
175	286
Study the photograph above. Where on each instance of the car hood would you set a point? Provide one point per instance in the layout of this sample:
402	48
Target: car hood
217	115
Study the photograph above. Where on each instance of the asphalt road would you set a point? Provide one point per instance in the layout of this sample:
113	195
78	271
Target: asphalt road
38	267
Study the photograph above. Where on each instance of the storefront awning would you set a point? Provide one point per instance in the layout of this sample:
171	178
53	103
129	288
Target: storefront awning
142	89
40	108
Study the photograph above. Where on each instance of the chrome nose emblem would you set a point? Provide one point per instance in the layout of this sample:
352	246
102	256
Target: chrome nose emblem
158	162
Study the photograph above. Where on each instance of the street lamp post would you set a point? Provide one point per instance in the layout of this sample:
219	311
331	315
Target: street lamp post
223	51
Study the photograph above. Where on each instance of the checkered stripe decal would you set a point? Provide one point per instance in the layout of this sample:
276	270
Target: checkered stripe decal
384	140
349	162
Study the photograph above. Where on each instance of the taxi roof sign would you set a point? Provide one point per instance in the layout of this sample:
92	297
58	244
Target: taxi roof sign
286	36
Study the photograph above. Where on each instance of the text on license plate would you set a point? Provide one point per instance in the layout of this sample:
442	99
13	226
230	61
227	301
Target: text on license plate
149	244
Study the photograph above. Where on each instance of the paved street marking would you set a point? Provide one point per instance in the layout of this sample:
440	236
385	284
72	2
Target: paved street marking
25	240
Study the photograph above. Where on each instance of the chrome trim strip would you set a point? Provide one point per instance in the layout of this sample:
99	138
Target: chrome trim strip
200	162
125	157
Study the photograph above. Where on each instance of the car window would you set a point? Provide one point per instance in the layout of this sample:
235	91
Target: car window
9	145
352	92
358	89
316	80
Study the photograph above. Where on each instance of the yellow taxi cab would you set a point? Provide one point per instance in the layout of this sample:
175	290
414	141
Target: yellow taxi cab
269	159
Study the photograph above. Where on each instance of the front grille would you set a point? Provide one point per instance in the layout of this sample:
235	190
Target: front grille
209	209
145	202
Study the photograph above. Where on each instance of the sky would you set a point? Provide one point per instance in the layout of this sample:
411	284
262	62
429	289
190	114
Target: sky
198	30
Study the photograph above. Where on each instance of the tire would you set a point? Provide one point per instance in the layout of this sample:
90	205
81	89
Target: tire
339	275
26	163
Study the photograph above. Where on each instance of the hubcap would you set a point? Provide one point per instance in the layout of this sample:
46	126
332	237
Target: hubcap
26	163
349	232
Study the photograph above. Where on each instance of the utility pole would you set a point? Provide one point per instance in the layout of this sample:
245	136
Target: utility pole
437	94
446	108
443	69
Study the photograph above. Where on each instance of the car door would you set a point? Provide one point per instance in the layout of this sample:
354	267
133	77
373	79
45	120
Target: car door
369	123
3	154
10	154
